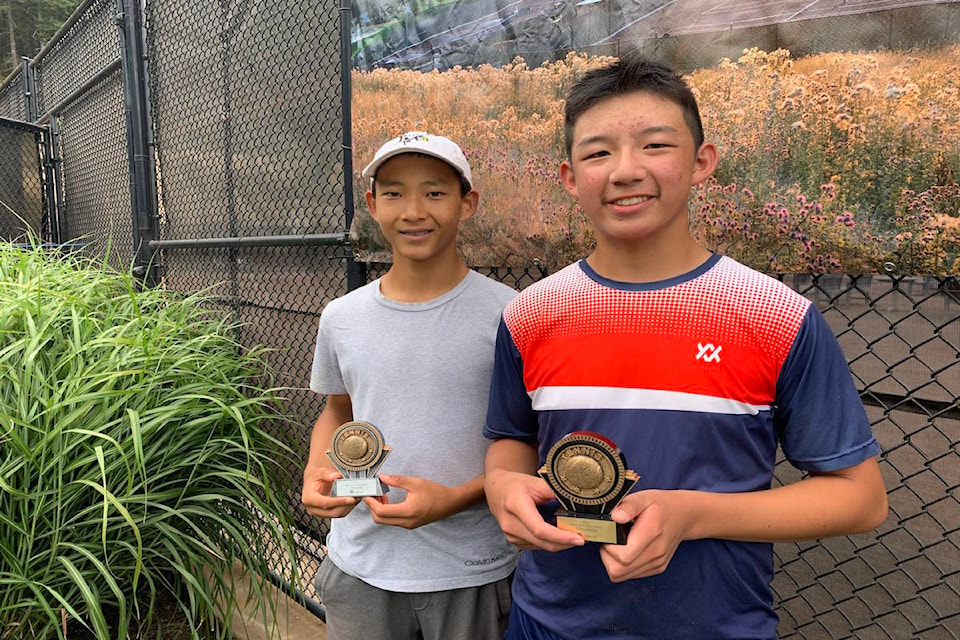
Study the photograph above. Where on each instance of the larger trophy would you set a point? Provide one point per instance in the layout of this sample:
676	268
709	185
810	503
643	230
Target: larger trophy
589	475
357	451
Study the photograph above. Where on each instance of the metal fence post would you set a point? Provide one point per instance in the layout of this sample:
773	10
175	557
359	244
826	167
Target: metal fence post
52	165
49	230
229	30
31	109
49	156
143	186
356	271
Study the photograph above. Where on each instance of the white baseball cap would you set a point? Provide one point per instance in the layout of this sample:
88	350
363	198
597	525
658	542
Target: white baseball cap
425	143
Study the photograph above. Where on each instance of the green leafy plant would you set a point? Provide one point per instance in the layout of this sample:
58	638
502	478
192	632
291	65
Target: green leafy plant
135	456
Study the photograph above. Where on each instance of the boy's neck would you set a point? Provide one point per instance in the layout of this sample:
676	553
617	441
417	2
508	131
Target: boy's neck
409	281
637	263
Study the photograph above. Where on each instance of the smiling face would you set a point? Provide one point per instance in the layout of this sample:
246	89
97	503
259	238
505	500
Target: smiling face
419	207
632	165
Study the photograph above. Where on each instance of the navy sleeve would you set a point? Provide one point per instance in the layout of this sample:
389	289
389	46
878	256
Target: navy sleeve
820	420
510	412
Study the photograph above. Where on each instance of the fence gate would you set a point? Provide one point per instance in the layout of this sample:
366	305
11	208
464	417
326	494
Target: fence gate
24	197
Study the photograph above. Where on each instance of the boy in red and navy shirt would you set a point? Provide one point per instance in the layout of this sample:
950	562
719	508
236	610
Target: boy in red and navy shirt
695	366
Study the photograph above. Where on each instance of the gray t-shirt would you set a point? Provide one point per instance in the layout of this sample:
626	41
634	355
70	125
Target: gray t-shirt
420	372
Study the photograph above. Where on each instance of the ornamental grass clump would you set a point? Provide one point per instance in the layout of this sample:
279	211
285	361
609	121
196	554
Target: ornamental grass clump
135	460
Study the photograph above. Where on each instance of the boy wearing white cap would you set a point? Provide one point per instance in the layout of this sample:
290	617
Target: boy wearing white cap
412	354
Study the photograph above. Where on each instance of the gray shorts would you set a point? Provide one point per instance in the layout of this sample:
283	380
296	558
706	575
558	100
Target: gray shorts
358	611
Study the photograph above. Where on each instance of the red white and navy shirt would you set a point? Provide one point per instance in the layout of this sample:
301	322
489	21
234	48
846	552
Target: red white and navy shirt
697	379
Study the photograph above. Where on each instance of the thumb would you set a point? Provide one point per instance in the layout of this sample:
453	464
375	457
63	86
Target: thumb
325	474
403	482
630	508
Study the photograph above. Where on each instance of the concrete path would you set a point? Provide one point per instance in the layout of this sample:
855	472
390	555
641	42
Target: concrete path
294	622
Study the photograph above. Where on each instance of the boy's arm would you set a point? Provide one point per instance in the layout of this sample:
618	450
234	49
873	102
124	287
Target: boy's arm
842	502
319	474
513	493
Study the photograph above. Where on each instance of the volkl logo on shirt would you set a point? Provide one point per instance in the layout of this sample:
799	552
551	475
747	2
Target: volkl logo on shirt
708	352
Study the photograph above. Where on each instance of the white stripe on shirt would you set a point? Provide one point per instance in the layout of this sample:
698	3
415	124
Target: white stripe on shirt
565	398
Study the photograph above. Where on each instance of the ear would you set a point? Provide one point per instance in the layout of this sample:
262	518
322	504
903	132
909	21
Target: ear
568	179
468	205
371	203
705	162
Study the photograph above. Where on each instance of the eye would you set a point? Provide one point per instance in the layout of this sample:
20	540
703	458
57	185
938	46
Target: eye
436	194
660	145
597	154
391	194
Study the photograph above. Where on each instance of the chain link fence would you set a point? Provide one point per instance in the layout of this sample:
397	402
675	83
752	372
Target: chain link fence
250	169
901	335
13	102
73	89
244	189
96	195
22	200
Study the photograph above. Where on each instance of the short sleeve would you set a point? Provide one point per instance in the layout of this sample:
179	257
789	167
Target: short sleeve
818	413
325	375
510	412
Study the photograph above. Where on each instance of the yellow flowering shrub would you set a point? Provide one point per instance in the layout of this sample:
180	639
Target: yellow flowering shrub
833	162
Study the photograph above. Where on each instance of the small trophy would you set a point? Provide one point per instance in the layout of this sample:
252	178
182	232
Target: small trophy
357	451
588	473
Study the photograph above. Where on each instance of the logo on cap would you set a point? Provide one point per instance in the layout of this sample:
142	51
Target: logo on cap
410	138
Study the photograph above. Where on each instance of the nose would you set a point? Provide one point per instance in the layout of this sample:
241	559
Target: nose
413	210
628	167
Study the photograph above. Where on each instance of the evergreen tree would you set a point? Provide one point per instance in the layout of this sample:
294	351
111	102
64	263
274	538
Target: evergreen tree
28	25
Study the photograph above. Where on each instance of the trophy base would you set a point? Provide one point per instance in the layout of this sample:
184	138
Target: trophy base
358	488
593	528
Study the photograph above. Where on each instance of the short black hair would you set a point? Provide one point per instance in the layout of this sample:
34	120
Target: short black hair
465	187
631	72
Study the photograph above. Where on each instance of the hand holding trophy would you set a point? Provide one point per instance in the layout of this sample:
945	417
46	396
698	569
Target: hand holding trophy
357	451
588	474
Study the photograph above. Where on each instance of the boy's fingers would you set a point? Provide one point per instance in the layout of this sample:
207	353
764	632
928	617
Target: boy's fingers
628	553
379	504
401	482
618	559
328	474
311	497
545	535
327	507
335	503
557	539
631	507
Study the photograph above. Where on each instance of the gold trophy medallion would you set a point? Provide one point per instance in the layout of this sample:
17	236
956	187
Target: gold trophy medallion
357	451
589	476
